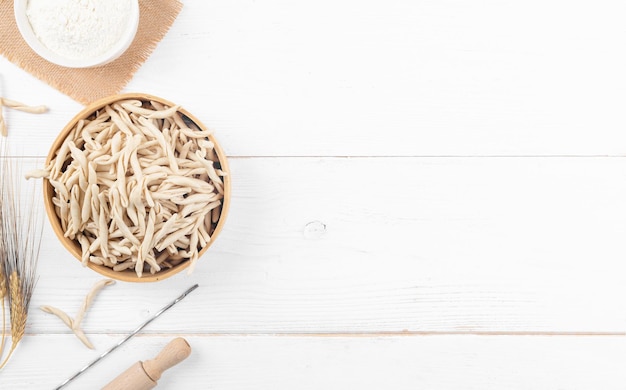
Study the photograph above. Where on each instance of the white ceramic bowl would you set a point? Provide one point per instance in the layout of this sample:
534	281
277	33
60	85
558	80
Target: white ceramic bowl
25	28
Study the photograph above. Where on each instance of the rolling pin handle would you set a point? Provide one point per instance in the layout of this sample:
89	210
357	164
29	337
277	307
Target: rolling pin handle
173	353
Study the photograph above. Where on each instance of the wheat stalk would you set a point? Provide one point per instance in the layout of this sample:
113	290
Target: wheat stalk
20	241
3	256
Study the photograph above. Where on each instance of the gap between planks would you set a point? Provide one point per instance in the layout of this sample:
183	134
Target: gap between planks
361	334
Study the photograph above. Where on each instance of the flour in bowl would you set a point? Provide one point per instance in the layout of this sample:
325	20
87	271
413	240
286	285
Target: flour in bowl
79	29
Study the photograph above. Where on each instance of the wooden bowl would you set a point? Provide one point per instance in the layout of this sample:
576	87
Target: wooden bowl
74	247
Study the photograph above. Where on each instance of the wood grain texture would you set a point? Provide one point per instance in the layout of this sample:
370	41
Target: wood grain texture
388	244
426	194
312	363
346	78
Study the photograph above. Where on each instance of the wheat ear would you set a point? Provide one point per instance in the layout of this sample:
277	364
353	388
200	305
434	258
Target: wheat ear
18	314
3	293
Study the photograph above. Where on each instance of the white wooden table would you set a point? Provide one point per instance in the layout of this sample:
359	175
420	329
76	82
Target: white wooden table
426	195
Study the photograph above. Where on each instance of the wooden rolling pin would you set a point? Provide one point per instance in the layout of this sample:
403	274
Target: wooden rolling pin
144	375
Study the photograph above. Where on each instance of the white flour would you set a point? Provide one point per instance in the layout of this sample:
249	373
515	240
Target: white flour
78	29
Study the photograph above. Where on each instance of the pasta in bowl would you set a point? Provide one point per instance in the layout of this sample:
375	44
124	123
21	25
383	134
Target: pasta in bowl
136	188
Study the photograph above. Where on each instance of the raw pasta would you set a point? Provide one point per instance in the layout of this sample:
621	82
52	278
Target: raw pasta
74	323
4	102
138	185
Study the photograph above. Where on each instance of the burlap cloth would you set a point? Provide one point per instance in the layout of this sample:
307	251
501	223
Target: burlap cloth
89	84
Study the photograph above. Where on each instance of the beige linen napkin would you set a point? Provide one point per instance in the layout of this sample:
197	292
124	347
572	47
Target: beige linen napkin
89	84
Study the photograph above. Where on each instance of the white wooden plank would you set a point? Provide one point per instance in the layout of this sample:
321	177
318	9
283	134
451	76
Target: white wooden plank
279	362
403	273
338	78
33	134
388	244
402	78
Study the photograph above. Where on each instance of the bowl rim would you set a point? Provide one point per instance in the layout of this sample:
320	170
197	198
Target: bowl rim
73	247
119	48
